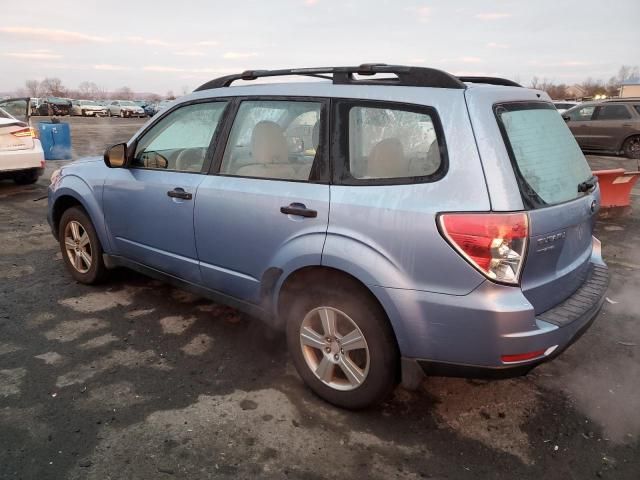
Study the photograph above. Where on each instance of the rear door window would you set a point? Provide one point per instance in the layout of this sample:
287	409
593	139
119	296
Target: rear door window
612	112
547	160
387	143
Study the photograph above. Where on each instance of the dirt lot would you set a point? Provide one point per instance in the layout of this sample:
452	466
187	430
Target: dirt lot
135	379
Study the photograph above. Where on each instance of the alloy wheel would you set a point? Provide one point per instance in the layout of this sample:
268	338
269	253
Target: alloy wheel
78	246
334	348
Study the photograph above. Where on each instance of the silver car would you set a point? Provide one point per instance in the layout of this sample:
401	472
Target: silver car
125	108
395	221
87	108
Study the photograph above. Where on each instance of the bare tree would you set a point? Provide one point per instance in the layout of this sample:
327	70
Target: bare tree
154	98
170	95
88	90
124	93
52	86
32	87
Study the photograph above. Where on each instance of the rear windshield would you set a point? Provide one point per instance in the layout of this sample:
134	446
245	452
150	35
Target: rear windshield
546	158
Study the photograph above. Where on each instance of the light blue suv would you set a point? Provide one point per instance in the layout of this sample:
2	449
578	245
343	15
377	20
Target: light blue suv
394	220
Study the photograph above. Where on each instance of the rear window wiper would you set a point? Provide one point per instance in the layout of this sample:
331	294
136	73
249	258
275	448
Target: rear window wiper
588	184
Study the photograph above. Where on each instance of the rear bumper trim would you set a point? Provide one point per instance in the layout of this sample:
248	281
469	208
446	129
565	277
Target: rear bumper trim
588	296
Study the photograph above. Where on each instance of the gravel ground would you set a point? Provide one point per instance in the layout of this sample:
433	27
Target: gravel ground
135	379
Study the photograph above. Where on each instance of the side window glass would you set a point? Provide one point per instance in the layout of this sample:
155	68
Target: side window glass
613	112
181	139
391	144
273	139
582	114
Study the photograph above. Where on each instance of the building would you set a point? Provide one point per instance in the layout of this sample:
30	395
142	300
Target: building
630	88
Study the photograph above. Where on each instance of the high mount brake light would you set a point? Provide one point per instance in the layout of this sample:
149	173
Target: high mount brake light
494	243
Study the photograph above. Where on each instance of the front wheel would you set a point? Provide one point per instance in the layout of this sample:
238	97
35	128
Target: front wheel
631	147
343	347
80	247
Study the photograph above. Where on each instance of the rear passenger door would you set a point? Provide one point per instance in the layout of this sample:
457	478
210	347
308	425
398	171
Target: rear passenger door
265	207
611	124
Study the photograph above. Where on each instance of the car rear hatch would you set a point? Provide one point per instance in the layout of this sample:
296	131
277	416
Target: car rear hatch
560	195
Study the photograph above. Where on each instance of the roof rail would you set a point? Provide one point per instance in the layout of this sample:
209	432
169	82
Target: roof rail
406	76
491	81
621	99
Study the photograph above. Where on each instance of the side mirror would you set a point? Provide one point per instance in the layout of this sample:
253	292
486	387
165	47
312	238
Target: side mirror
116	156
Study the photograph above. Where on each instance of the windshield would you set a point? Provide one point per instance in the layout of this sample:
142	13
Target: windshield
87	102
547	160
128	103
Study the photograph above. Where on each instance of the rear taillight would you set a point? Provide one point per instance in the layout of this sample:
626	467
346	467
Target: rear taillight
25	132
494	243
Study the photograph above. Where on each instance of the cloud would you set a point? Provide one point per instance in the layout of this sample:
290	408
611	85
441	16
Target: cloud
497	45
148	41
170	69
493	16
310	3
109	67
189	53
53	35
238	55
33	55
471	60
422	13
208	43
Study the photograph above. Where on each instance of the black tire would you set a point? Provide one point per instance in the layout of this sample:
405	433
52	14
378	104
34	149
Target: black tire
366	313
84	114
109	113
631	147
26	178
97	272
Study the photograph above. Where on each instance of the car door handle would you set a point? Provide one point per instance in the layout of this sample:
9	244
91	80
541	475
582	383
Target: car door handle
179	193
298	209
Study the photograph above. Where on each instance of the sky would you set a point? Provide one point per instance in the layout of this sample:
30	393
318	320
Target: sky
156	46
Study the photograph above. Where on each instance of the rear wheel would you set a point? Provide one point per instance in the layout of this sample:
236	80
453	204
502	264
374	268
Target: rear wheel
631	147
26	178
84	113
80	247
342	346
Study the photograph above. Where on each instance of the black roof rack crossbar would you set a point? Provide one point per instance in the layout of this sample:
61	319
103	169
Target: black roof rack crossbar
405	76
491	81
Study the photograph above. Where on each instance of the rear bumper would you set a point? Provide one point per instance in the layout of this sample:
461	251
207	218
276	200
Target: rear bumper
16	160
470	335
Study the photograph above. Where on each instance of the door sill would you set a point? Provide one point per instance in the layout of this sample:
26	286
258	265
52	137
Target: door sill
114	261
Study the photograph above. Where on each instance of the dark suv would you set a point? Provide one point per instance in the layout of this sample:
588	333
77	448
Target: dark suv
610	126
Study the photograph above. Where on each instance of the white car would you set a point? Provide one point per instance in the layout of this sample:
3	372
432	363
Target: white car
21	154
87	108
125	108
564	105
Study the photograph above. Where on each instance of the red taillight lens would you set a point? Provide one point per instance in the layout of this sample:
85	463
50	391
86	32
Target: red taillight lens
521	357
495	243
25	132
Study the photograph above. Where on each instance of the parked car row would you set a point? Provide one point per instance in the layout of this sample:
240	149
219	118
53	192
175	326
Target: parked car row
56	106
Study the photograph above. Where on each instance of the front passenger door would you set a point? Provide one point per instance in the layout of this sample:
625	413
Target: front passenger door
149	205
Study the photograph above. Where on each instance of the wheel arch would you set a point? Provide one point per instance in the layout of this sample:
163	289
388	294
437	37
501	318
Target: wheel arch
76	192
292	284
626	139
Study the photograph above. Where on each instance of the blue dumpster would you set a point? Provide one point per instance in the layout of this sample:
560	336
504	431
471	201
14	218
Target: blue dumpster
56	140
